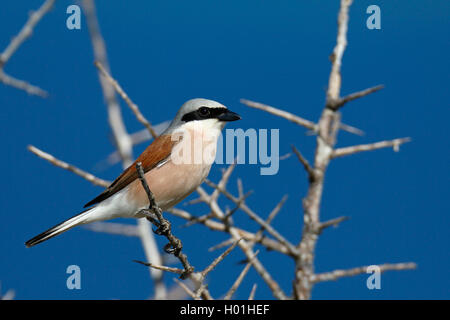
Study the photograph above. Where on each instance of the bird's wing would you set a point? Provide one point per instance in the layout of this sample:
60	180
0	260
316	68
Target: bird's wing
155	153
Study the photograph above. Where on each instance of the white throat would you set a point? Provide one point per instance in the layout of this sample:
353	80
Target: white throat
197	142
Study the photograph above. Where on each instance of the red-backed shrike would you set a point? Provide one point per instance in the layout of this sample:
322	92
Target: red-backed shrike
175	164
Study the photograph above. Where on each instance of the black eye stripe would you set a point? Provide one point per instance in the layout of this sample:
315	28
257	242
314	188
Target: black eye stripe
200	114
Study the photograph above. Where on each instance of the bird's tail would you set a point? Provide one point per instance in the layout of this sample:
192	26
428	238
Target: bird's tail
80	218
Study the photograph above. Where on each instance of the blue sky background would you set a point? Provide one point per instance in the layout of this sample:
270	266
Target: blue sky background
165	52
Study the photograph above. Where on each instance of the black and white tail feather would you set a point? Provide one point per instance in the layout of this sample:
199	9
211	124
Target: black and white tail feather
80	218
114	207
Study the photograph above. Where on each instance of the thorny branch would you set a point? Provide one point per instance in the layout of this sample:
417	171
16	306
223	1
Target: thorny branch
395	144
227	224
219	226
326	129
255	217
337	274
198	278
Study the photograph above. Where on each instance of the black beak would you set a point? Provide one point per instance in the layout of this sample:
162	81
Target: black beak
229	116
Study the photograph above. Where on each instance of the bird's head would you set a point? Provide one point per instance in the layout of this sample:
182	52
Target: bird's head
204	114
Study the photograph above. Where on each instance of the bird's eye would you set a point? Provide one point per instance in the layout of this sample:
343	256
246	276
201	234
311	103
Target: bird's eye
203	111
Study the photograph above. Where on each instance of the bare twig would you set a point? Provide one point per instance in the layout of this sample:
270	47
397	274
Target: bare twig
26	31
238	205
240	187
334	82
16	42
221	244
252	293
22	85
272	215
162	268
357	95
337	274
199	277
56	162
197	220
395	144
333	222
276	210
261	270
285	156
223	181
140	117
239	279
219	259
304	162
351	129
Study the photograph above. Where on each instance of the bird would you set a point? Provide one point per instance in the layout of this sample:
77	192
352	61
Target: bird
174	165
